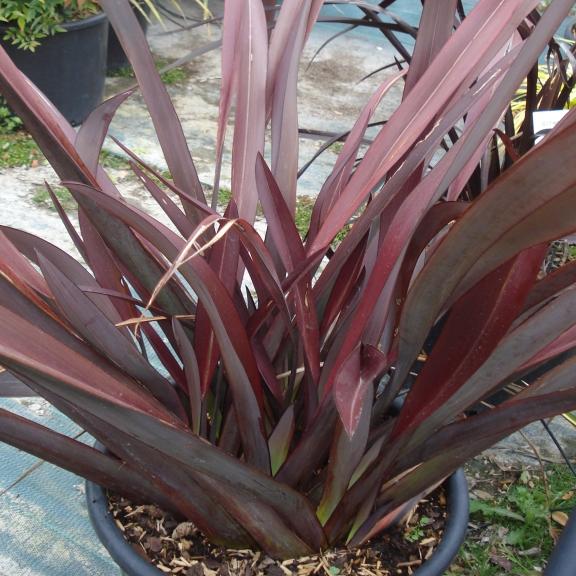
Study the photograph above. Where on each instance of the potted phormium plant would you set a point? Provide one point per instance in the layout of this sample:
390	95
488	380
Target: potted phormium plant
246	384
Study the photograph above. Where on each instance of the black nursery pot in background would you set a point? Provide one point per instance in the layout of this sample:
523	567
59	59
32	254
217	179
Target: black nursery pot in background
116	56
69	67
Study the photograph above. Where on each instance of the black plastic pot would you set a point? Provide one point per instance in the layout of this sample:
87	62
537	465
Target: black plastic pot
456	527
562	562
117	58
69	67
132	564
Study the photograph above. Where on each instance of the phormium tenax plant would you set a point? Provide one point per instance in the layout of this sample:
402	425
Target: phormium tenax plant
265	417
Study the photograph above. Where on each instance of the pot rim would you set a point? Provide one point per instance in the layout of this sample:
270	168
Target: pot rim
111	536
458	511
135	565
93	20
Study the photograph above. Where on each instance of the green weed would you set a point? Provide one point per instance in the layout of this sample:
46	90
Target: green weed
114	161
174	76
42	198
514	532
170	77
9	122
416	532
337	147
18	150
304	207
224	196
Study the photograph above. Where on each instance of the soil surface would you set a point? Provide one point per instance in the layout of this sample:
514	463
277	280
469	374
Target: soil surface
178	548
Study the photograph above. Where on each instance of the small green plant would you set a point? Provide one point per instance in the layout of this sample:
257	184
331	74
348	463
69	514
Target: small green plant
122	72
304	207
415	533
